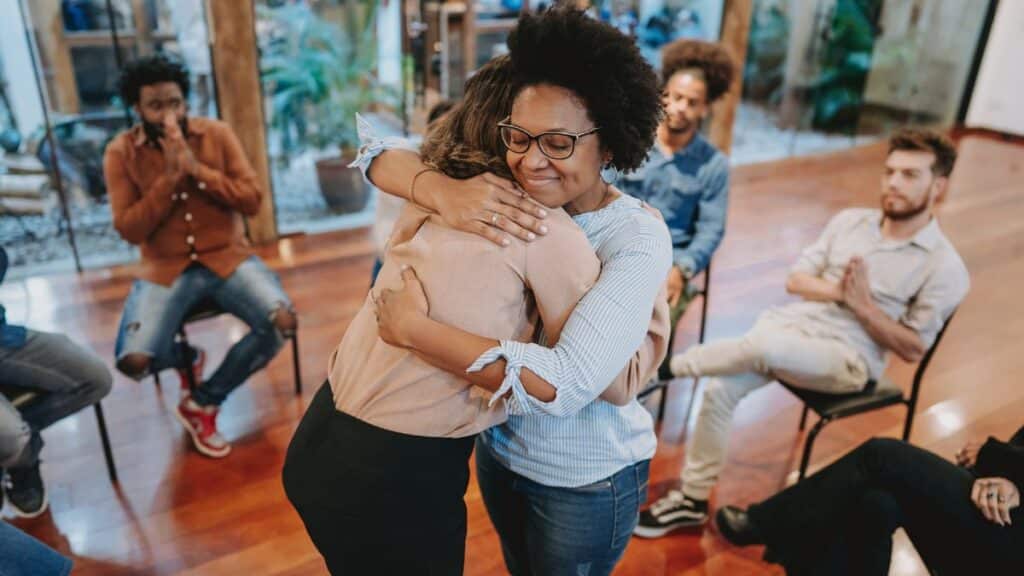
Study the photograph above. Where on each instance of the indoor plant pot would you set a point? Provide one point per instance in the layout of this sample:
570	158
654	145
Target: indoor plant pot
342	188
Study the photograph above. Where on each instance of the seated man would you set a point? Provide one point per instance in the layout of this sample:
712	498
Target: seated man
874	282
66	378
178	188
685	176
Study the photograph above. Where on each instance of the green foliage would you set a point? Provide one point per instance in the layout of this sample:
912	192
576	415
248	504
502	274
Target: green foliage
319	73
764	70
837	92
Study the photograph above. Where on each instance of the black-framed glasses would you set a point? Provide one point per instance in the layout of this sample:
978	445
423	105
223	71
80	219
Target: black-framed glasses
557	145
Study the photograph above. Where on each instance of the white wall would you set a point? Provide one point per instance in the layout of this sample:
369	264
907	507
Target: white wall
23	91
996	102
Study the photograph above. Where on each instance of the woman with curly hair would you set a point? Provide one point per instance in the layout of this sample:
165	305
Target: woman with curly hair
564	477
378	467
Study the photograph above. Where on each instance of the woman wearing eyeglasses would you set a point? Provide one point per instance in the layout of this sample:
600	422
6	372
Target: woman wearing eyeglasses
378	467
564	477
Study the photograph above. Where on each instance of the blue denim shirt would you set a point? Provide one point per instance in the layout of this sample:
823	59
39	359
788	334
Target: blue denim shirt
691	189
11	336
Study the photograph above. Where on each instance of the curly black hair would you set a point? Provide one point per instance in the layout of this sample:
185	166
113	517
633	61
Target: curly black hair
603	67
151	70
711	59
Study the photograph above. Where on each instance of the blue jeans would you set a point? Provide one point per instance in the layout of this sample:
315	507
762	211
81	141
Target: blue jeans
66	377
566	531
23	555
153	314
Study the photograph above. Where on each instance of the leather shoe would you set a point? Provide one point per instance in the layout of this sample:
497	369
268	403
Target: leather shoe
737	527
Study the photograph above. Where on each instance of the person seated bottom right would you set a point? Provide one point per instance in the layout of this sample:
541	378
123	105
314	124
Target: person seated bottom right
962	519
875	281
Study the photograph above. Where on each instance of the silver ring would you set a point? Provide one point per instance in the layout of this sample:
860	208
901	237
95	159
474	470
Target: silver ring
494	219
1001	499
991	495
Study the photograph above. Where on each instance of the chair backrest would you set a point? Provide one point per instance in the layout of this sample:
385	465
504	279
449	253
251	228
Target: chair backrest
927	358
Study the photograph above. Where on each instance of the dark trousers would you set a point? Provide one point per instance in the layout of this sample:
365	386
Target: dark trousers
841	520
376	501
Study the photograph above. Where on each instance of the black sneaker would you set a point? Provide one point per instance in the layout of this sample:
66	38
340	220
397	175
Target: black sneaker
671	512
25	491
736	526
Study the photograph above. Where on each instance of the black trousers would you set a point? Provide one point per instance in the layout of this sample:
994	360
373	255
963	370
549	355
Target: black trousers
841	520
376	501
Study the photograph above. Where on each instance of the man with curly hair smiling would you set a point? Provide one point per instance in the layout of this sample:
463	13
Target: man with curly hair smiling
685	176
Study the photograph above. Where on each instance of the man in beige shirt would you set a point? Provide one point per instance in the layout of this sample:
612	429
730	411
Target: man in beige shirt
876	281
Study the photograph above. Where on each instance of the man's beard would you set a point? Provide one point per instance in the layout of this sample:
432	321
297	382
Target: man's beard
155	132
906	213
677	128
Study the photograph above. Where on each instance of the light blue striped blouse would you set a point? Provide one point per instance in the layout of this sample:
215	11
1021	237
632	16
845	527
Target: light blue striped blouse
578	439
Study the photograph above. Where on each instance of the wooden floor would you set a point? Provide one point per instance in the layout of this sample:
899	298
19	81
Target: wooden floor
176	512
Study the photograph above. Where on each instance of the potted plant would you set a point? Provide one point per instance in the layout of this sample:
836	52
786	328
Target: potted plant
318	74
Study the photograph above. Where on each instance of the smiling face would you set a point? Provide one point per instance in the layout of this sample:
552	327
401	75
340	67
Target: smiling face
574	182
909	187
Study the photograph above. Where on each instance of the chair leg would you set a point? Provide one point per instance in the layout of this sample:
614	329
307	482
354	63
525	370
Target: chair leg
101	423
295	364
803	419
908	422
185	360
689	405
662	402
805	459
703	317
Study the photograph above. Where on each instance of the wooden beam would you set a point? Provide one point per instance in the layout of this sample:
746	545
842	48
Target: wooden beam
240	98
735	33
55	55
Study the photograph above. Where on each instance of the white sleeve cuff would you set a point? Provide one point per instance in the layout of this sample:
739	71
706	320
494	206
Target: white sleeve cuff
514	354
371	145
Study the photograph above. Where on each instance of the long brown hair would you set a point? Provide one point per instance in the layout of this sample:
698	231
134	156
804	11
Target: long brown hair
466	142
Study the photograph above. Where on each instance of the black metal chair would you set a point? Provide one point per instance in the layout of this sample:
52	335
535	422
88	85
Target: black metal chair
207	309
875	396
664	375
21	397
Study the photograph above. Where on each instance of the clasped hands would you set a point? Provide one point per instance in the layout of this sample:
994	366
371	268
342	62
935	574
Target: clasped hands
178	158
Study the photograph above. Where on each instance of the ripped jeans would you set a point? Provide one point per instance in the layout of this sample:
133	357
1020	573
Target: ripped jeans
153	313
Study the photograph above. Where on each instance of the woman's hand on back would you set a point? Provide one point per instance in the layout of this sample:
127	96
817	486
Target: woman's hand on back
398	310
489	206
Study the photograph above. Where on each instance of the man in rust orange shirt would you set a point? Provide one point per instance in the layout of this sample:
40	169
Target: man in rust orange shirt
178	189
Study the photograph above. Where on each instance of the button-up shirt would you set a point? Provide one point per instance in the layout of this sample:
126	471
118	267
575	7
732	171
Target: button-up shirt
194	219
917	282
691	189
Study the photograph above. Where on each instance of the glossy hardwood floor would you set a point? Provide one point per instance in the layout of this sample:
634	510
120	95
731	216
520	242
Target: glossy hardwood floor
176	512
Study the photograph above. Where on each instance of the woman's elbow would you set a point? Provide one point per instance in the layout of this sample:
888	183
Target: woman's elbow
545	394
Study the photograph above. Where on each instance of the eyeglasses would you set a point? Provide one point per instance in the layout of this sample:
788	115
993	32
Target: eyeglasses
557	145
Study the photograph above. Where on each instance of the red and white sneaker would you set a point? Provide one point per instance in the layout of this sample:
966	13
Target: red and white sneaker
198	362
201	424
